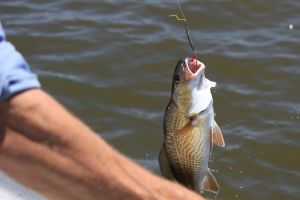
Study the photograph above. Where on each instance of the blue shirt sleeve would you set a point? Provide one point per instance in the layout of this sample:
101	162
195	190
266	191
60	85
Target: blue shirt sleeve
15	73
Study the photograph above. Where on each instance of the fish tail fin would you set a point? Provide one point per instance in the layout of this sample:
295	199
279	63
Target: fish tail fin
218	136
210	183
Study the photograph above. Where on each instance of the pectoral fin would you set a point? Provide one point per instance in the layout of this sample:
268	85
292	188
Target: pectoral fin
217	135
210	183
186	129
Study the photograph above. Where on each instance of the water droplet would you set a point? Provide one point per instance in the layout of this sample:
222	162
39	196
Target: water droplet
241	172
292	117
236	195
298	117
241	187
230	167
291	26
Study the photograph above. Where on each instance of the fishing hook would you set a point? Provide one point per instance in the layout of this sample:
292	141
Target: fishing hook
186	28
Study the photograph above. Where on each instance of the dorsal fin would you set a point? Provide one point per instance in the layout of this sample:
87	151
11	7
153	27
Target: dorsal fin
217	135
210	183
164	164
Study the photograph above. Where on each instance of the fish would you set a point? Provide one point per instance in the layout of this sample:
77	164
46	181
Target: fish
190	129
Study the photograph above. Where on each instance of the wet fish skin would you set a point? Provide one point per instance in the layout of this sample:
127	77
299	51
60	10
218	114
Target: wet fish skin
188	136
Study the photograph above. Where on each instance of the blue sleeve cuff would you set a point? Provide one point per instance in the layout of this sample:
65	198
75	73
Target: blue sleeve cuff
15	74
2	33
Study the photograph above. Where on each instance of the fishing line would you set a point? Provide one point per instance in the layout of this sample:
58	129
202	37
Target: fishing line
186	28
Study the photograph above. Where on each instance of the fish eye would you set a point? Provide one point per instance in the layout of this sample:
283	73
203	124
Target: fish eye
177	79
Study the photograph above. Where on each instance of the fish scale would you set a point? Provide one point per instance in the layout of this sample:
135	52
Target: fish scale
188	147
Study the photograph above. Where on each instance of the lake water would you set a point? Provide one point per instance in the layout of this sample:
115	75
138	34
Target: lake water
111	62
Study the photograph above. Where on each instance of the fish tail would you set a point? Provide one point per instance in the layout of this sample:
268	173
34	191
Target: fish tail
209	183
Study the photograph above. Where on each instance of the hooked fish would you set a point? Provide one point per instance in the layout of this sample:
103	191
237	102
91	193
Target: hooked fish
190	129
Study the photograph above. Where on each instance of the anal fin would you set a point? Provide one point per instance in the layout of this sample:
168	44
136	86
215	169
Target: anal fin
217	135
210	183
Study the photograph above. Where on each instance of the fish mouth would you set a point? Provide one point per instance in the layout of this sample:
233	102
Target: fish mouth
192	68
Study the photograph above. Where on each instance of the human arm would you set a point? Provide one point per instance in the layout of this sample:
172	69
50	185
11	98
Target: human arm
51	151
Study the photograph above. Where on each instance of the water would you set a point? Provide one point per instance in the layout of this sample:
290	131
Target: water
111	62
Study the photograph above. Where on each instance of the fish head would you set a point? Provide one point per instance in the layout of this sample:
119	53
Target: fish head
190	89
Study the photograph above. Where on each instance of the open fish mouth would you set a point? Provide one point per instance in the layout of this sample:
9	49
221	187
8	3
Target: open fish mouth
192	68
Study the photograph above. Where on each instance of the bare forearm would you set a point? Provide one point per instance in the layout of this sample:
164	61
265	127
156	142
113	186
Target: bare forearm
67	159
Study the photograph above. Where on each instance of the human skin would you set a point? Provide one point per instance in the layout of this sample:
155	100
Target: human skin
49	150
